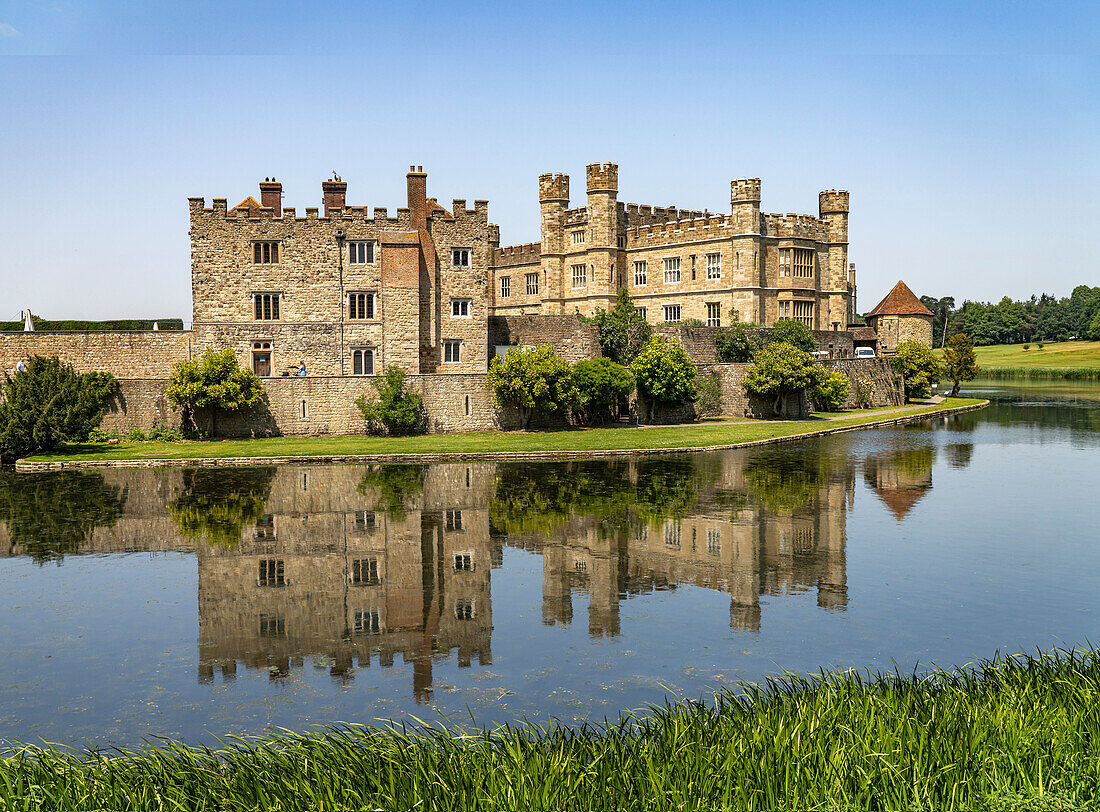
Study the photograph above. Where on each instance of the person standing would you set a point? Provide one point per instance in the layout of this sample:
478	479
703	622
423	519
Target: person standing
21	366
301	369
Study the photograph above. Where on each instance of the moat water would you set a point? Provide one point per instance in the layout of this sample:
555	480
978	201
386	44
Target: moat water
199	603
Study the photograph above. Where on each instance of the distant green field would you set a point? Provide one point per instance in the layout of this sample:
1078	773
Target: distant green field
1063	359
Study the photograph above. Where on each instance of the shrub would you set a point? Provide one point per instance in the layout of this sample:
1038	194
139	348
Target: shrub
734	345
781	370
1027	347
601	384
135	435
397	411
831	392
919	366
959	363
1040	344
664	373
537	380
708	395
97	435
623	331
792	332
165	434
50	403
214	381
864	393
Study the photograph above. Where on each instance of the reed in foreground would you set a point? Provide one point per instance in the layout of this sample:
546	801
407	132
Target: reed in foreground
1011	733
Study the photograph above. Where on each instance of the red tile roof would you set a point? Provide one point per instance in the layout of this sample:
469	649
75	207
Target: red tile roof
900	302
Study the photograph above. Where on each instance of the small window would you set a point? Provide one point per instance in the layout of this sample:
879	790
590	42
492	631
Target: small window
271	572
505	286
360	306
265	253
580	275
672	269
532	284
460	257
367	621
714	266
464	609
621	241
360	252
714	541
672	536
265	528
578	237
467	411
365	520
305	412
460	308
362	361
266	306
453	520
714	314
784	311
464	562
272	625
580	565
452	352
642	311
365	571
672	312
641	271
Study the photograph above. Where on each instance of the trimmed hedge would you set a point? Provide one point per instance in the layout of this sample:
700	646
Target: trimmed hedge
47	325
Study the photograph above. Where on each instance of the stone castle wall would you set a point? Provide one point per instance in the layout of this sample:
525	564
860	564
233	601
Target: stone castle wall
123	353
887	387
570	337
698	342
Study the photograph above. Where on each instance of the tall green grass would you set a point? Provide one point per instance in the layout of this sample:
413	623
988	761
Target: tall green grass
1010	733
1064	373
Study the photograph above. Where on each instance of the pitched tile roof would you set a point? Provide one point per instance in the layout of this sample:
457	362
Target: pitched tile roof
900	302
248	203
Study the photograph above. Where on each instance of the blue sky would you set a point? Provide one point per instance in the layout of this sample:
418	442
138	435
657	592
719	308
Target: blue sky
966	133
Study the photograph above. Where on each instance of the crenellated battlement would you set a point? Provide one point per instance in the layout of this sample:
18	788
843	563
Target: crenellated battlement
794	226
745	190
697	226
638	215
553	187
511	255
602	177
219	210
832	201
575	217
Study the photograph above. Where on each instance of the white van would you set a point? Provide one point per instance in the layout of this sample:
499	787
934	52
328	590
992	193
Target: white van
865	352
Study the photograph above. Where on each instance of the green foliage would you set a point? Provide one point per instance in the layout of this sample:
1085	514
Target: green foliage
165	434
664	373
1040	345
959	362
217	503
708	395
535	380
98	435
1026	346
49	515
864	392
735	345
1094	326
70	324
792	332
831	392
601	384
1005	735
135	436
397	411
781	370
50	404
623	331
919	366
1012	322
393	487
213	382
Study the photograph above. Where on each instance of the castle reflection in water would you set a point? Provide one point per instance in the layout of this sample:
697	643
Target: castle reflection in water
351	566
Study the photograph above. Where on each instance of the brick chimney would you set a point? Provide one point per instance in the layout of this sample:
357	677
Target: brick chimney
335	191
271	195
418	196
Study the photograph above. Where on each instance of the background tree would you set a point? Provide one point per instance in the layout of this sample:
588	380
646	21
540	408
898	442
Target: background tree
217	503
735	345
959	363
623	331
537	380
396	411
49	404
780	371
214	382
792	332
831	391
919	366
664	373
941	316
601	384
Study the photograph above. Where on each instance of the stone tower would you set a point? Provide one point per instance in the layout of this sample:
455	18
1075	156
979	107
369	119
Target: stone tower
553	201
602	232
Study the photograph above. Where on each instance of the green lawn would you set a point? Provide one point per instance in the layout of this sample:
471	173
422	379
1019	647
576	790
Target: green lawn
576	439
1061	355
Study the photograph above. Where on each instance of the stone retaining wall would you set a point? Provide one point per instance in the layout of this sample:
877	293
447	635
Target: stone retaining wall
123	353
887	386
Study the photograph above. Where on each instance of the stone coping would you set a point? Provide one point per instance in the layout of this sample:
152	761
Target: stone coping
27	466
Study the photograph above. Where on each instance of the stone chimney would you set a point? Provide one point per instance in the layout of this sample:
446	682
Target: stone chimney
335	191
417	181
271	195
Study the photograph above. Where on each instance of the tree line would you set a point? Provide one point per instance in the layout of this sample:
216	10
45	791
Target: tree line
1040	318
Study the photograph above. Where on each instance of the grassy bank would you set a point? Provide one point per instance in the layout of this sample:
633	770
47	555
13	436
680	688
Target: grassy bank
1017	733
1071	360
715	433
